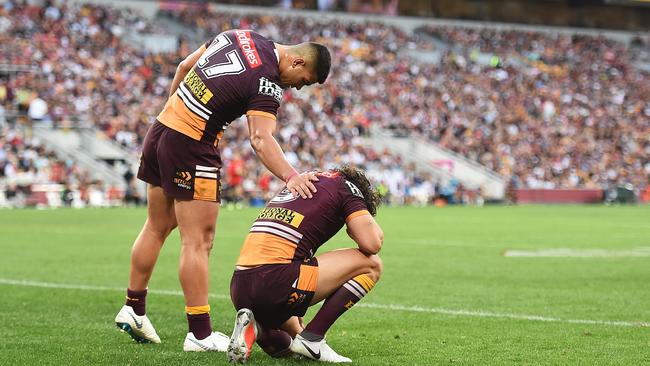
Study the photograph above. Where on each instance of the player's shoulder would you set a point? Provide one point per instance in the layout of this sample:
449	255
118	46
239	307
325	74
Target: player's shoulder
248	33
259	37
337	181
329	177
261	60
257	49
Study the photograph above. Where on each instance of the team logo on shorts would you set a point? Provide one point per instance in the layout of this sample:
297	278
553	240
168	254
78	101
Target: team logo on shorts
295	298
183	179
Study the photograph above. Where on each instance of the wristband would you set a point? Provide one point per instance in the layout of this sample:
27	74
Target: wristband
291	176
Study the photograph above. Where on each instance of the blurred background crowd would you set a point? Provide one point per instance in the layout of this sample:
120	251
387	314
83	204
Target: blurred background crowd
542	109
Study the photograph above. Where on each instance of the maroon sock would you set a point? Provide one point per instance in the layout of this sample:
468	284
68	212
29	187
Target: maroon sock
337	304
137	300
200	325
275	342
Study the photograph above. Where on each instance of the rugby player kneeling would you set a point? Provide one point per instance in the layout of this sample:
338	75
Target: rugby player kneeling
278	276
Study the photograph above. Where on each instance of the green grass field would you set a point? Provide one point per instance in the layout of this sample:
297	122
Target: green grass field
448	295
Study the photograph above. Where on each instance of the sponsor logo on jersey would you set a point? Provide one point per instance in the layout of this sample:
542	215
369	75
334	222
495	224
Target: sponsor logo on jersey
183	179
285	215
354	189
198	88
267	87
248	47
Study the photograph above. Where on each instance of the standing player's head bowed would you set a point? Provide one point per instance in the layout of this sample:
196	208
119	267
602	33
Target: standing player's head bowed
304	64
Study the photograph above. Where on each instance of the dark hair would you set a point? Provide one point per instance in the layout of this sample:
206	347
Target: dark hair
322	61
359	179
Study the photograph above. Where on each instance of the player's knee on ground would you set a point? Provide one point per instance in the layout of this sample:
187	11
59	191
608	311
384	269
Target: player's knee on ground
376	268
275	342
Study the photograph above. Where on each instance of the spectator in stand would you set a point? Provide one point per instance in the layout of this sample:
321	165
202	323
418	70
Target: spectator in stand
24	162
555	110
37	111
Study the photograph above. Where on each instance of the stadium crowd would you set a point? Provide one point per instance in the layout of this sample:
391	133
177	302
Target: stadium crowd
552	111
31	175
558	110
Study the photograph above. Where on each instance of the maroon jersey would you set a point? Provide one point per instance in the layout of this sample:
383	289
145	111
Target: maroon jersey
237	73
291	228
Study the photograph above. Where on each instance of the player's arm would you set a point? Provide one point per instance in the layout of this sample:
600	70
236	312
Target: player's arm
365	231
184	67
261	129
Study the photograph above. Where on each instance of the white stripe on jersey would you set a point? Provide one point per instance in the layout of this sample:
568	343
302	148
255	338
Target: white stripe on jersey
278	226
189	95
191	106
283	234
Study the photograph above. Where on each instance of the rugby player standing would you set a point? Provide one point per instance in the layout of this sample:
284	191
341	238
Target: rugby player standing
278	276
238	72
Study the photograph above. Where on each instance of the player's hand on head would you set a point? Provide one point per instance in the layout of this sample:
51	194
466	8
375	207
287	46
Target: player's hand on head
301	184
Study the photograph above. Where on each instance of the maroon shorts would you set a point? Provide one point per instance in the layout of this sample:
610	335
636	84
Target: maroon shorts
185	168
275	292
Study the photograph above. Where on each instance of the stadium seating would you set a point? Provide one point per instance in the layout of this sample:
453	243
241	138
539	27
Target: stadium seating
546	111
31	175
552	110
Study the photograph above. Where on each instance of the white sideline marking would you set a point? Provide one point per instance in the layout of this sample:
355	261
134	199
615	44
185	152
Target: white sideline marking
487	314
579	253
27	283
419	309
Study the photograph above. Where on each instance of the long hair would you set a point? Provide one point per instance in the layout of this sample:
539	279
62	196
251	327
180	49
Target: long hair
359	179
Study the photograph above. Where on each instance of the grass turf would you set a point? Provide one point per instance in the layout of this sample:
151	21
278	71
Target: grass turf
434	259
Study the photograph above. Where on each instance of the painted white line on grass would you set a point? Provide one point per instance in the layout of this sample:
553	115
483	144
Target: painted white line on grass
488	314
579	253
450	243
419	309
27	283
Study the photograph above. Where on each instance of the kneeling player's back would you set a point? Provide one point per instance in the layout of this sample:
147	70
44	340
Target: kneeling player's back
291	228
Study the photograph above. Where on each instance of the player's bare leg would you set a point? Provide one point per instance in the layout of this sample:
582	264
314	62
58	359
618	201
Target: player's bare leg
197	222
338	266
161	220
344	277
293	326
